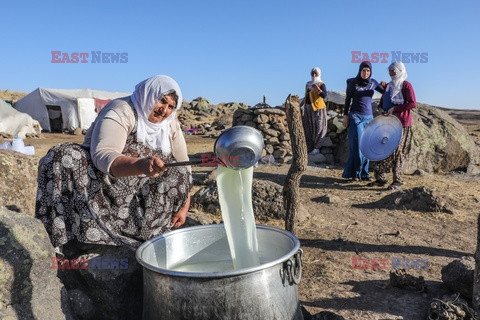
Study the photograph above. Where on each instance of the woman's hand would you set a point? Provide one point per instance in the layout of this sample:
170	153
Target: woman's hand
345	121
390	111
152	166
124	166
181	216
317	86
383	84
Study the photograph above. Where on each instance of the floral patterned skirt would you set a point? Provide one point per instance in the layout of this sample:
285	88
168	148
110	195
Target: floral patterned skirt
77	201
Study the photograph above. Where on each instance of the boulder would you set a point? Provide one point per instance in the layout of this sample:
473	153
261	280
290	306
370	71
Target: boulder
267	199
458	276
18	181
440	143
110	284
419	199
29	287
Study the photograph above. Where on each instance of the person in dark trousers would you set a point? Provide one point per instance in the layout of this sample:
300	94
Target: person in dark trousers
357	114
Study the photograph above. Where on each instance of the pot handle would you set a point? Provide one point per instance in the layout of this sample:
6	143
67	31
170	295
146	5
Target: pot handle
294	268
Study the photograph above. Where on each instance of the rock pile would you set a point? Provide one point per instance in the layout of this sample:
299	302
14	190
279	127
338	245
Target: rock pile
205	118
267	200
272	123
419	199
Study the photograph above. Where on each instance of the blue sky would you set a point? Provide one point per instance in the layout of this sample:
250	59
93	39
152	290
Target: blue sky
240	51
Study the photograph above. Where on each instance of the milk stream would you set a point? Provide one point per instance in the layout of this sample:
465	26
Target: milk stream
235	197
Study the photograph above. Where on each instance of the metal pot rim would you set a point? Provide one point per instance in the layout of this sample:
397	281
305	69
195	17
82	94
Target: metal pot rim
138	254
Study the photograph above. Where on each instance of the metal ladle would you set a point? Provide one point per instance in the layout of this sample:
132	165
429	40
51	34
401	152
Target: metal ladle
238	147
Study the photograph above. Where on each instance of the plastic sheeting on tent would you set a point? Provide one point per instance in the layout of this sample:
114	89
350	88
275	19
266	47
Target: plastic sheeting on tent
73	108
17	123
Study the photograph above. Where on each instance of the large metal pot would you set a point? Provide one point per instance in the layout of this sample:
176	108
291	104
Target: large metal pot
268	291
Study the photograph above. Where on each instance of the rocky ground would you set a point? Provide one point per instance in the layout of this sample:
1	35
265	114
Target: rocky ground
433	219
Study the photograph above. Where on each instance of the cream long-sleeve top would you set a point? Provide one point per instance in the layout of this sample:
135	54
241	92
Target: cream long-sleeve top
108	134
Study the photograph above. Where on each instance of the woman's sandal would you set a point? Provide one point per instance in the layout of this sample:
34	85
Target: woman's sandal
395	185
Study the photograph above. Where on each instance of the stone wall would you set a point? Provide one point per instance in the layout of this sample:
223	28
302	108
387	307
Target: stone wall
272	123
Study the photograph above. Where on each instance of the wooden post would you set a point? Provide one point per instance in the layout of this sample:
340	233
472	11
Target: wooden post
291	194
476	277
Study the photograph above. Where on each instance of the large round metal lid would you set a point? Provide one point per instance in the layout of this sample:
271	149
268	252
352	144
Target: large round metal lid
381	137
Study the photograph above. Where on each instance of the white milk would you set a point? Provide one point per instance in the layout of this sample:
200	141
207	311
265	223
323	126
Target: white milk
235	197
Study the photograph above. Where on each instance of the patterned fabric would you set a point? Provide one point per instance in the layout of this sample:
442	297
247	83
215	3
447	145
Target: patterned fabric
315	126
75	200
396	160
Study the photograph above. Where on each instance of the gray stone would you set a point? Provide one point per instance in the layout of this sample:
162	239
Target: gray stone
330	199
279	153
18	181
246	117
285	145
284	136
440	143
458	276
81	304
280	126
251	124
327	315
326	150
264	126
326	142
273	141
197	218
419	172
272	132
269	148
330	158
315	159
28	283
266	199
275	111
112	279
262	118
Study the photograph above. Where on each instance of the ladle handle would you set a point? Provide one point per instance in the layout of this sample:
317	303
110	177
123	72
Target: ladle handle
183	163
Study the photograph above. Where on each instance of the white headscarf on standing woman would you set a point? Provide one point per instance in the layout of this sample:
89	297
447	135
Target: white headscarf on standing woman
395	86
316	79
144	98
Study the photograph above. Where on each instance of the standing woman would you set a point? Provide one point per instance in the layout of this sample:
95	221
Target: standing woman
399	100
357	114
115	189
315	112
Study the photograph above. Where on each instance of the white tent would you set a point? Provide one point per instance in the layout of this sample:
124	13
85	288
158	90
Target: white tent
17	123
59	109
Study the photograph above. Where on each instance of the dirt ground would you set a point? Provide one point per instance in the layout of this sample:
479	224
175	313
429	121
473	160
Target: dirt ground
356	225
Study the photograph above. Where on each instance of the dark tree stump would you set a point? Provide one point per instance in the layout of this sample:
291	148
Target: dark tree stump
476	277
291	195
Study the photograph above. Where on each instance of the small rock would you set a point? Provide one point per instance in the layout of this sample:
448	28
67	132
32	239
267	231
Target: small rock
419	172
458	276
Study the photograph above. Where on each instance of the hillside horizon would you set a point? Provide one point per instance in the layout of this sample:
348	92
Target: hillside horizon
11	95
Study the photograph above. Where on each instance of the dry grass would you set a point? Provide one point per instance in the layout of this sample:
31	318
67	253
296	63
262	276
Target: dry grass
11	95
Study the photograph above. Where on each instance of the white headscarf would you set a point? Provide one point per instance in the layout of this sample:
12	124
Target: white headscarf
144	98
395	86
316	79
